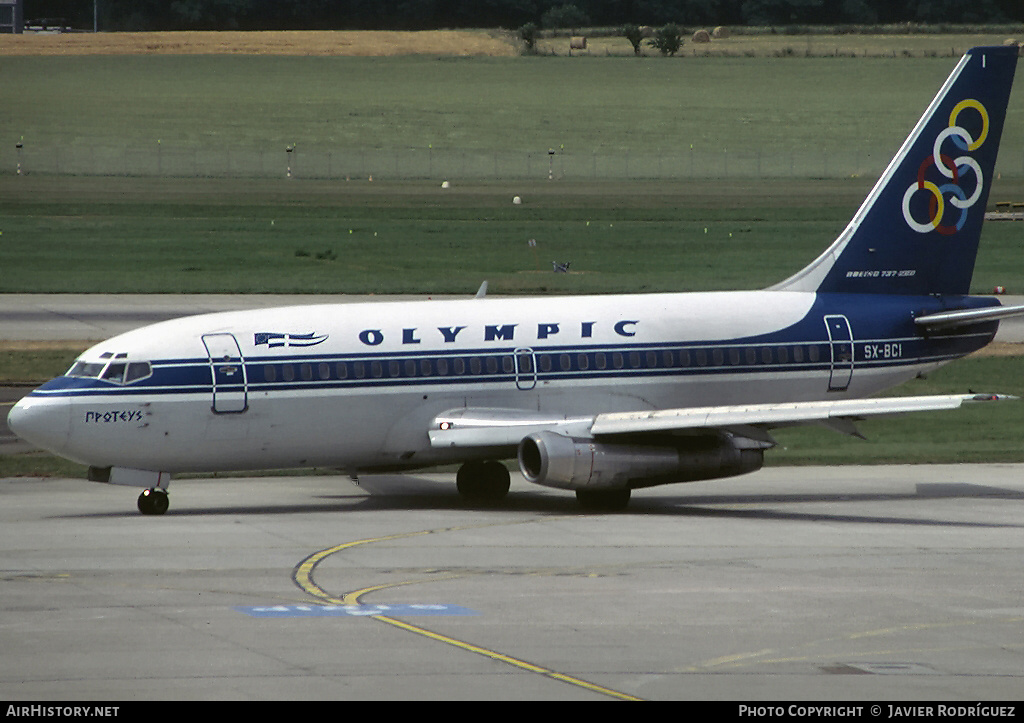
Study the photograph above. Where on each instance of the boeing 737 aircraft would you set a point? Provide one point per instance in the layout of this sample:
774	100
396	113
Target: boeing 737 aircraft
596	394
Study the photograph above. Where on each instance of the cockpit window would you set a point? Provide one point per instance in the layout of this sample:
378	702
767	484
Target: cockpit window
117	372
114	373
137	371
87	370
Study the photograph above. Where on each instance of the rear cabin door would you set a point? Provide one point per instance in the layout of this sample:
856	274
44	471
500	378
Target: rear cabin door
227	367
841	340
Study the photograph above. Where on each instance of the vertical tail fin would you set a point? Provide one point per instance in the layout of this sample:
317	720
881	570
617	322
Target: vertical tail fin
917	232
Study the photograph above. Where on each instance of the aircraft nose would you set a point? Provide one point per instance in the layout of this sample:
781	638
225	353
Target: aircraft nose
45	423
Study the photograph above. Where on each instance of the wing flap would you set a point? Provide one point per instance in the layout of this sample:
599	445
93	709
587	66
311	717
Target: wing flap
485	427
775	415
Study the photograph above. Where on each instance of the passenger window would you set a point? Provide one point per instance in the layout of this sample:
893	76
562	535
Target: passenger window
751	355
426	368
600	360
324	370
813	353
410	367
460	365
288	373
360	370
507	364
717	356
342	370
270	373
307	372
652	360
492	365
545	363
583	361
617	360
798	353
564	362
442	367
634	359
376	370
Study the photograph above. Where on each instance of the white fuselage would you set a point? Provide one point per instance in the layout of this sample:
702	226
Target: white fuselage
357	386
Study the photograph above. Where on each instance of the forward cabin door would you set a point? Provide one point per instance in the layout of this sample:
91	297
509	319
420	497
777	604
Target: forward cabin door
841	341
227	367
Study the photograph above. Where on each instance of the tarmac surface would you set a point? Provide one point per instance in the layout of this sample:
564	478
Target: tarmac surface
789	584
825	584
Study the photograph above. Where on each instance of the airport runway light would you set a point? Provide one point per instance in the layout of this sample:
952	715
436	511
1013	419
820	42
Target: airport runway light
288	150
551	164
18	146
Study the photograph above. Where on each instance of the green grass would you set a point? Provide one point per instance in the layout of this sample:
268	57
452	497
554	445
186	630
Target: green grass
187	236
584	105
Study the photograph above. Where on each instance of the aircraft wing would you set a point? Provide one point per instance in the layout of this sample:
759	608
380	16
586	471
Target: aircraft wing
506	427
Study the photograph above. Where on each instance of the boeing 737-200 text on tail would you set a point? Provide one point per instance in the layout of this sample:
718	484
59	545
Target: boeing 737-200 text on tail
597	394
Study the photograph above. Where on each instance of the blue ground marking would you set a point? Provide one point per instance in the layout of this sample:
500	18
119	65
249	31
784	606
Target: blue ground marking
327	611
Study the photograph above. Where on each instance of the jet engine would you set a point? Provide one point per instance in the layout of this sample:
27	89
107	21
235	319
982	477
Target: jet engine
554	460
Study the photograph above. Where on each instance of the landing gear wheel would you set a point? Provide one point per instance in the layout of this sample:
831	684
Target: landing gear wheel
603	500
153	502
483	481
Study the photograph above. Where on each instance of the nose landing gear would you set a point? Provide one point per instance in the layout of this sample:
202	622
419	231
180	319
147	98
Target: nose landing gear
153	501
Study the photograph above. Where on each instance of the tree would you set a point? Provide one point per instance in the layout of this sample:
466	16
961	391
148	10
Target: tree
667	39
528	33
634	35
564	16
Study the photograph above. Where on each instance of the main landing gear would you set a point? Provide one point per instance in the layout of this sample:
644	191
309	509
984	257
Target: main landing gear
482	481
153	501
603	500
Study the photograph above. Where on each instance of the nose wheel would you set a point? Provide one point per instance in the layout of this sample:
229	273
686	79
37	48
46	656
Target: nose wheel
153	502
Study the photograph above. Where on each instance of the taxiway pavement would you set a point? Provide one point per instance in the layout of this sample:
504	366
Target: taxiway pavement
835	584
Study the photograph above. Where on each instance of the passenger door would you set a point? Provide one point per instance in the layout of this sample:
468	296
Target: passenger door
227	368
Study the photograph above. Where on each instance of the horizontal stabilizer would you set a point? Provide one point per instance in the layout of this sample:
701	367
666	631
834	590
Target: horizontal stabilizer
965	317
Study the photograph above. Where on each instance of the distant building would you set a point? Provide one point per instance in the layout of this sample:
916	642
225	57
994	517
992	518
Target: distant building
12	16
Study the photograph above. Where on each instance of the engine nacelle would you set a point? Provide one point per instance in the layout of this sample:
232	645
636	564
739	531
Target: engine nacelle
554	460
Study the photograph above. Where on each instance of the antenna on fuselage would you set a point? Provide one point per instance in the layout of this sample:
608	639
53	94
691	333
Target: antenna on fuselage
482	291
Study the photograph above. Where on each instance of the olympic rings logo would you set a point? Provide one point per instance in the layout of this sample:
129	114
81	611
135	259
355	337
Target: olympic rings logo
953	169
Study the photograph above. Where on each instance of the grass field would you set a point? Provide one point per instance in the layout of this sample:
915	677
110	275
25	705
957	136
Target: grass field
171	235
576	105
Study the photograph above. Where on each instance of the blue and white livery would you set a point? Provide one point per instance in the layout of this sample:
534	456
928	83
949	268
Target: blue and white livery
597	394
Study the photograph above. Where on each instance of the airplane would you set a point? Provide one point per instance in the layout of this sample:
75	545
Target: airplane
596	394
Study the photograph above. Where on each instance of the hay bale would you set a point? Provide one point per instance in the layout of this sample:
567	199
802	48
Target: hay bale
721	32
702	36
578	43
